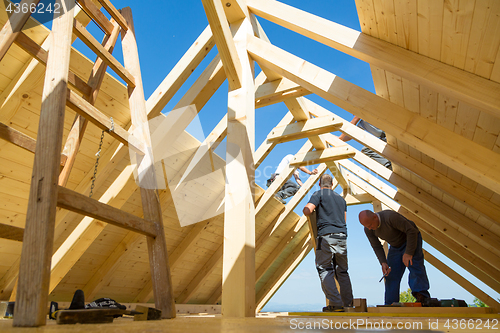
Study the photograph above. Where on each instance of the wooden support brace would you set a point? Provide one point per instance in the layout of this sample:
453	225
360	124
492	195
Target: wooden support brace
303	129
95	46
114	13
322	156
84	205
11	232
277	91
34	273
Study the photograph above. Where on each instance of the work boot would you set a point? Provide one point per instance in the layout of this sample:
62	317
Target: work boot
419	297
331	308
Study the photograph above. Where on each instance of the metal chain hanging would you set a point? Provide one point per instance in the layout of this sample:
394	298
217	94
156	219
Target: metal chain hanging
98	156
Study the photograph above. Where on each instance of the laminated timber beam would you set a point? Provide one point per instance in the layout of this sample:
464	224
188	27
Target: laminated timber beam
451	81
277	91
322	156
157	246
224	41
304	129
461	281
34	274
11	232
445	184
86	206
448	225
486	272
13	26
447	147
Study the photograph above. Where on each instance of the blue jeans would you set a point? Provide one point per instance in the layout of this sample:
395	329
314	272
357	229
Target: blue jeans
417	279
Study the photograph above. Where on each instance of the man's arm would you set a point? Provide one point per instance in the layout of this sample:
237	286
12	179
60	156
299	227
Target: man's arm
297	178
344	137
376	246
308	209
304	169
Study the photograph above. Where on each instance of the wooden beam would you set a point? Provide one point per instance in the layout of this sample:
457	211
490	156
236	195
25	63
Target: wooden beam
238	267
114	13
34	274
91	9
447	147
91	113
8	282
322	156
235	10
461	281
13	26
179	74
11	232
277	91
37	52
202	275
284	271
446	79
224	41
86	206
303	129
447	185
157	246
95	46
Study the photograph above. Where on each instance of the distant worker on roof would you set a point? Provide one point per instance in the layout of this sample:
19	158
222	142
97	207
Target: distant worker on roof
289	188
374	131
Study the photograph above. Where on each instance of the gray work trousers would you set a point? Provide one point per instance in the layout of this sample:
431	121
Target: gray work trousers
331	262
380	159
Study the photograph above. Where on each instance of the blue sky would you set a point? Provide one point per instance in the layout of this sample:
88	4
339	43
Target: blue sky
166	29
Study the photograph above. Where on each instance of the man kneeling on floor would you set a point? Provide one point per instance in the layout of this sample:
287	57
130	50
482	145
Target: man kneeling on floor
405	250
331	251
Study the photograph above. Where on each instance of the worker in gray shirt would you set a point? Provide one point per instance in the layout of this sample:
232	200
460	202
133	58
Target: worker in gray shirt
405	250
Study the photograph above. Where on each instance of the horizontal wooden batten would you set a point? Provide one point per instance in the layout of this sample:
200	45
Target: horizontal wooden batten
21	140
84	205
102	53
115	13
92	114
91	9
304	129
277	91
10	232
322	156
37	52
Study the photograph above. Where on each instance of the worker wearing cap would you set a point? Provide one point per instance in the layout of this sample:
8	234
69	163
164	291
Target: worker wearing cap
405	250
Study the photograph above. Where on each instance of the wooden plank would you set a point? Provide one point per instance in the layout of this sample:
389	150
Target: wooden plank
17	138
225	43
445	146
95	46
277	91
461	281
235	10
322	156
304	129
37	52
447	185
11	232
157	247
114	13
84	205
238	265
13	26
34	274
91	9
87	110
446	79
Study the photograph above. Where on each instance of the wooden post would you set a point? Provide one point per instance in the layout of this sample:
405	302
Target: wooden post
34	274
238	268
157	247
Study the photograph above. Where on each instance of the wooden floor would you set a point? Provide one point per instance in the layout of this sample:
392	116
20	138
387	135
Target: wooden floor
269	322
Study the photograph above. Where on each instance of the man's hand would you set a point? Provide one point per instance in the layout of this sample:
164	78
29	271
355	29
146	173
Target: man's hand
386	269
314	172
407	259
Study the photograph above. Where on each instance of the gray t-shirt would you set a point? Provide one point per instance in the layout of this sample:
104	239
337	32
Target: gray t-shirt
330	212
396	230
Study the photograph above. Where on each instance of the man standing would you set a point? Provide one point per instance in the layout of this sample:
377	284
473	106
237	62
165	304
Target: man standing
289	188
405	250
331	251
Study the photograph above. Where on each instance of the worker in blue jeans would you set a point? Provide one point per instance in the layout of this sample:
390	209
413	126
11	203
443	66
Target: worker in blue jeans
405	251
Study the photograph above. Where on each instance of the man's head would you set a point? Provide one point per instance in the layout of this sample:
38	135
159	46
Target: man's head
326	181
369	219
